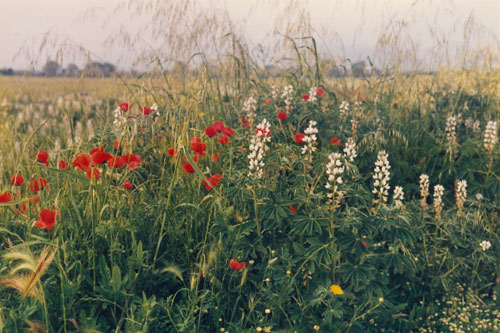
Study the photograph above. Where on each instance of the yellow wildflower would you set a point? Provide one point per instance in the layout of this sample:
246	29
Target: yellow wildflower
336	289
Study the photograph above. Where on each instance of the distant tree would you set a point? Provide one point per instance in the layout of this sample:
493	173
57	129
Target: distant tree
51	68
71	70
97	69
7	71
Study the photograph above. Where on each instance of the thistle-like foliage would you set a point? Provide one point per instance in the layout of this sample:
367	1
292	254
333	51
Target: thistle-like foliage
31	270
381	177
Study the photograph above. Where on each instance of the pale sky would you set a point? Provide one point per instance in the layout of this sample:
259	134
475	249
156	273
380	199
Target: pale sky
358	23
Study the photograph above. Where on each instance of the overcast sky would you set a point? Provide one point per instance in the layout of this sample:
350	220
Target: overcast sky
357	22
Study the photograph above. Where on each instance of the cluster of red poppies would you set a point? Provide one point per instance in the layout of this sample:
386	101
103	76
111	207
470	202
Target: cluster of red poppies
319	92
219	127
97	156
125	107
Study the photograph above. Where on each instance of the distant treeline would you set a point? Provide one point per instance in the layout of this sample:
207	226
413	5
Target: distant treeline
54	69
98	69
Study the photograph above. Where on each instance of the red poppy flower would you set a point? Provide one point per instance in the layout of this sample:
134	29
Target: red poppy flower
43	157
146	111
116	144
38	184
172	152
364	243
244	122
268	101
228	131
188	168
197	145
47	219
293	209
305	97
212	181
218	126
210	131
17	180
282	116
223	140
133	161
116	162
82	162
128	185
320	92
21	209
35	199
124	106
63	165
99	156
234	264
299	137
93	174
215	157
5	197
336	142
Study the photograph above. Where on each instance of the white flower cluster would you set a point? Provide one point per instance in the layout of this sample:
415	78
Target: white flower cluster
154	110
460	193
120	118
354	127
334	170
490	136
474	125
249	107
485	245
381	177
310	138
258	149
344	107
312	95
438	199
424	189
287	94
350	150
275	90
398	196
451	129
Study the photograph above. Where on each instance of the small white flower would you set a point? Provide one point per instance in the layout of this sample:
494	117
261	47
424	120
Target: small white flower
350	150
490	136
258	148
485	245
479	197
398	196
438	201
460	193
451	126
381	176
312	95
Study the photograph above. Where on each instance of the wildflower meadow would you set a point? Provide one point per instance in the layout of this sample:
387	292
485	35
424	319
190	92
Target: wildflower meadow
215	196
